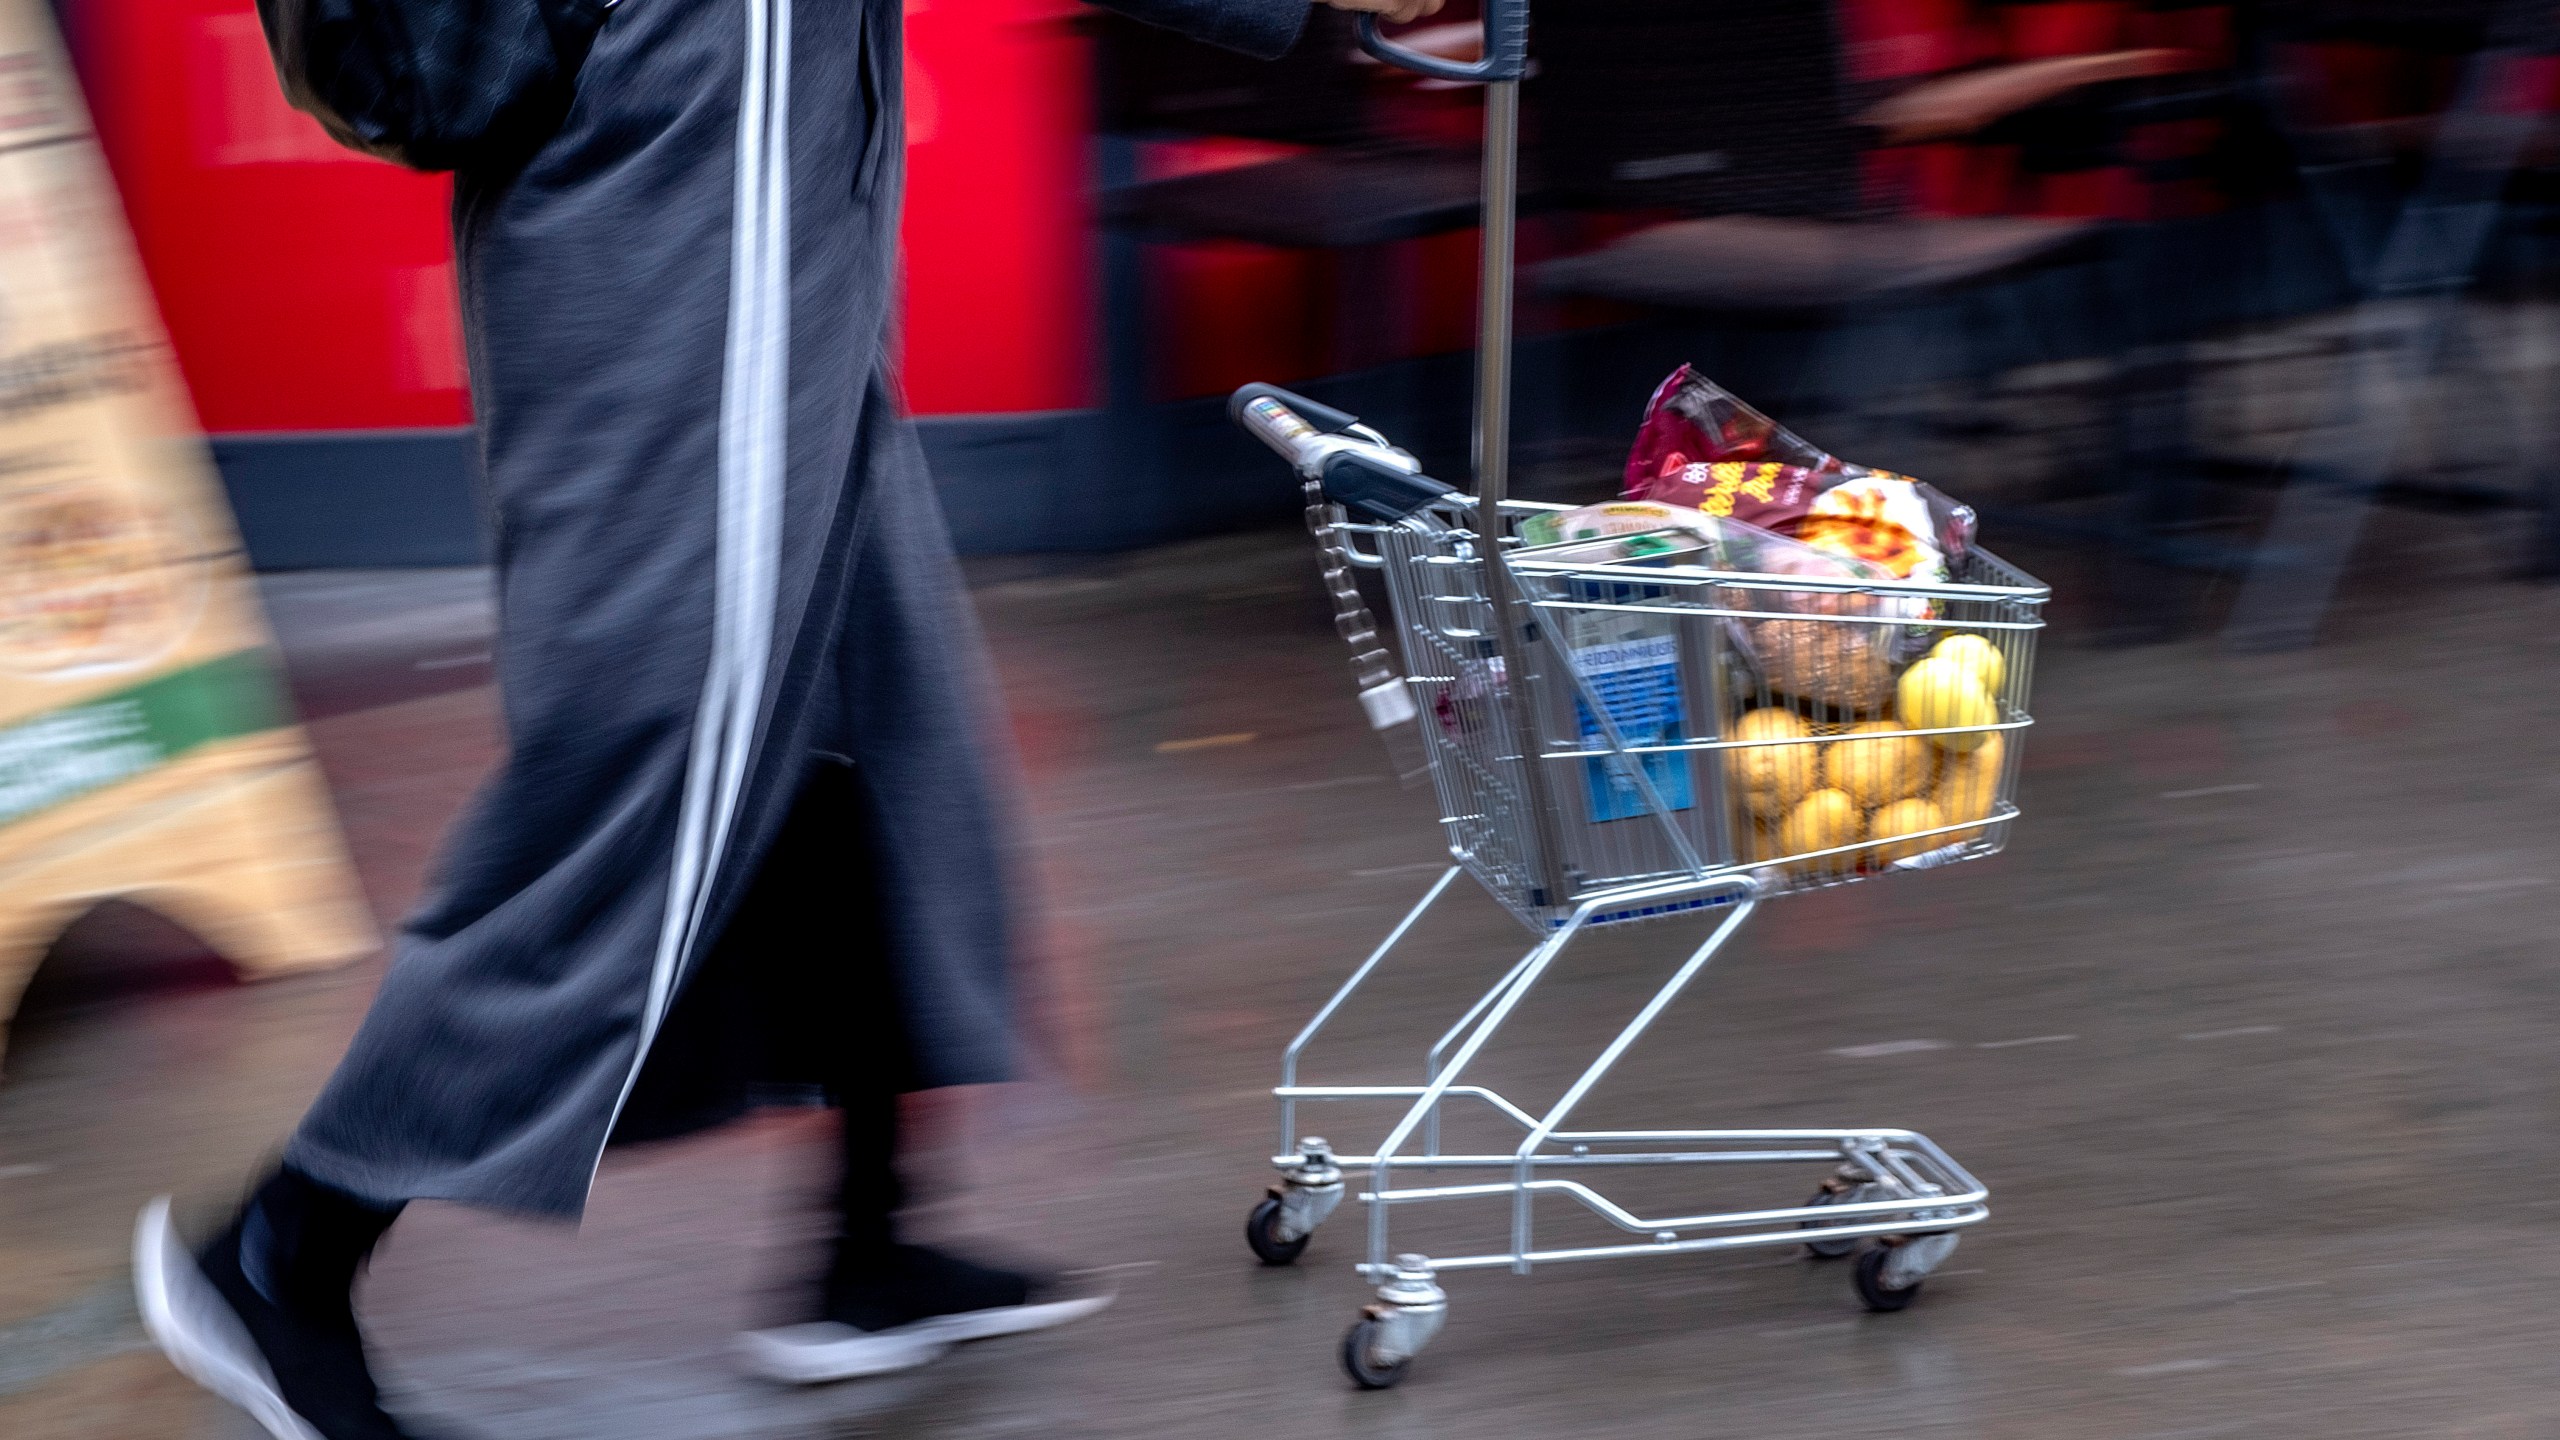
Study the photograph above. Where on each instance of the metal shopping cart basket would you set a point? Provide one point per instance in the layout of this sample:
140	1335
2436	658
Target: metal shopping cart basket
1617	741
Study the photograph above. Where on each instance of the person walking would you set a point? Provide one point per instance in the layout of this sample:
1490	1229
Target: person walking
744	832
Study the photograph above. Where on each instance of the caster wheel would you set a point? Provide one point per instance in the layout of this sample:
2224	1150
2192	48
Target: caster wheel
1365	1372
1870	1280
1261	1234
1830	1249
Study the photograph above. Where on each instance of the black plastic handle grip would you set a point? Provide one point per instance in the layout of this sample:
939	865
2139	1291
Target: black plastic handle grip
1506	47
1378	492
1324	419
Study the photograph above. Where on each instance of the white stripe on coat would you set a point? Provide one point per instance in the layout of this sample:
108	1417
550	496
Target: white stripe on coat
759	503
753	451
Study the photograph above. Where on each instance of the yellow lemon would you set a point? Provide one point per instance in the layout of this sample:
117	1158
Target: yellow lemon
1826	819
1769	779
1906	817
1971	786
1976	654
1935	693
1879	770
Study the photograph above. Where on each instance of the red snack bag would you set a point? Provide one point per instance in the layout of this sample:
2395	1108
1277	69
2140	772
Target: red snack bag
1702	447
1693	420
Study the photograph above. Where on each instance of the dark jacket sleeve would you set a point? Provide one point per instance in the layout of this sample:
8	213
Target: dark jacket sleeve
1263	29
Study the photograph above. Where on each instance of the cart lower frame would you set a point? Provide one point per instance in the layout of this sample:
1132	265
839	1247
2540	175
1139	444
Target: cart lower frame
1896	1186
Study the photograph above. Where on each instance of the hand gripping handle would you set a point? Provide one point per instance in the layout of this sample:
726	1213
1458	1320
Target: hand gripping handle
1506	47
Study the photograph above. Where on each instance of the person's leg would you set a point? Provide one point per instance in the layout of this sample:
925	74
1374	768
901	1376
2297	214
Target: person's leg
869	1191
283	1271
835	1014
643	475
876	1282
884	1303
887	1304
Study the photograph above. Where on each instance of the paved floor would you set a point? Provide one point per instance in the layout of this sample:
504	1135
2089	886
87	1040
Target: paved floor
2250	1034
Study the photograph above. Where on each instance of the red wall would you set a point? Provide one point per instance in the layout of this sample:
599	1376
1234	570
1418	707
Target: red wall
307	288
998	254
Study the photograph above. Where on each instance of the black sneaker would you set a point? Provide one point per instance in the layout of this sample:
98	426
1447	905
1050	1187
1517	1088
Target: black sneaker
907	1310
301	1376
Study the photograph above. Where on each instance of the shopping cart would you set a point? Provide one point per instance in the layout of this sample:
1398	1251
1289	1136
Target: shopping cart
1589	726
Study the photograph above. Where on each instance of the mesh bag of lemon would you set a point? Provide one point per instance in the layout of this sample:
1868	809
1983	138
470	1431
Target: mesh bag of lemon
1915	775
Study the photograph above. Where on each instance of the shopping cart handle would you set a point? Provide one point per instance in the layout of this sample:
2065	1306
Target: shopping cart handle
1506	47
1375	491
1357	468
1323	419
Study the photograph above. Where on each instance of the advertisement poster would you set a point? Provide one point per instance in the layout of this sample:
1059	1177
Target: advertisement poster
146	750
1632	662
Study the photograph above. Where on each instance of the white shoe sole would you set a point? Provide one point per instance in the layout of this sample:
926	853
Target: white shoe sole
195	1327
1009	1319
818	1353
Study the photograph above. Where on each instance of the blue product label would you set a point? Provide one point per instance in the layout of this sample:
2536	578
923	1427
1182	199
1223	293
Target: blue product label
1638	679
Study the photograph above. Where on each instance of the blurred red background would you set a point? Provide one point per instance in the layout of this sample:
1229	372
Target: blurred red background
310	289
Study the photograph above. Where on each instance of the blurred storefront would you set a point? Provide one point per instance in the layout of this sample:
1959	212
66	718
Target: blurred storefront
1073	311
310	291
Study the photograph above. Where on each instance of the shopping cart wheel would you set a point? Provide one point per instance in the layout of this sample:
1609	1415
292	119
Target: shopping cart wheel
1262	1233
1870	1278
1359	1357
1831	1249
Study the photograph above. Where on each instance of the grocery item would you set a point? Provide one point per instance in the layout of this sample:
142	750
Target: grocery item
1632	518
1701	447
1844	666
1969	786
1938	692
1649	529
1823	820
1877	765
1906	817
1631	666
1768	503
1841	664
1976	654
1768	780
1885	520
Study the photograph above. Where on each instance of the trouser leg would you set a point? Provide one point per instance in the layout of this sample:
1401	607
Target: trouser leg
285	1267
303	1242
868	1189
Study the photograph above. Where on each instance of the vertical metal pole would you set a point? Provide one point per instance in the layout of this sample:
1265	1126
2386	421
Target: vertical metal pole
1493	316
1493	465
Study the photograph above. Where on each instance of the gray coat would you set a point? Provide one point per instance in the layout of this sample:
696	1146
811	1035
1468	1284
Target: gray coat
725	589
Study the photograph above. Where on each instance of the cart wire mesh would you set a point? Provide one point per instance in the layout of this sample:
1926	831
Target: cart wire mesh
1690	722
